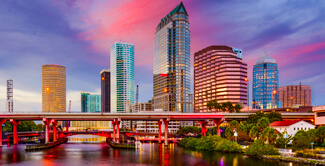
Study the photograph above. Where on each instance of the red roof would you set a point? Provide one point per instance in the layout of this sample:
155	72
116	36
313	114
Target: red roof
284	123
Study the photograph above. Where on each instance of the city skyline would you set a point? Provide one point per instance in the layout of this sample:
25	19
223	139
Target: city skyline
69	38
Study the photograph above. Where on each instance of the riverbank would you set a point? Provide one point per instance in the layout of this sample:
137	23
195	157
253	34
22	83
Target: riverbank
294	159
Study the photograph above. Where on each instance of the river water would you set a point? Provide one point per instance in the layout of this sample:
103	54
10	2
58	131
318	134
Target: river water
103	154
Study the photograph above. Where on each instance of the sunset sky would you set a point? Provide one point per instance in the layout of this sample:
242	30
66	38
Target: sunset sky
78	34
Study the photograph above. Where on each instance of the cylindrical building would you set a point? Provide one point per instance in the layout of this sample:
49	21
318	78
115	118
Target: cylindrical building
219	74
53	88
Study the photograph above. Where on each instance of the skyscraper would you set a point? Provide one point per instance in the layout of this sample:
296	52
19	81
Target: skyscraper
90	102
265	83
295	95
122	75
171	62
106	90
219	74
10	100
53	88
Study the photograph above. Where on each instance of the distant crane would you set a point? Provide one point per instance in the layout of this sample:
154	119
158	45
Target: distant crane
68	123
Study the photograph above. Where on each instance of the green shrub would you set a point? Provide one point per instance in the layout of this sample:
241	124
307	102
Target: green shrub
210	143
258	149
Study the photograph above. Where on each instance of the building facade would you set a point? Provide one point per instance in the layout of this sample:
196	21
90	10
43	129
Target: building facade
106	90
171	62
291	127
219	74
90	102
53	88
140	107
122	76
295	95
10	96
265	83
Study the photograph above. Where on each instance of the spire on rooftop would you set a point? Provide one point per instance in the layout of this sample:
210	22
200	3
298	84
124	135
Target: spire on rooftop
265	59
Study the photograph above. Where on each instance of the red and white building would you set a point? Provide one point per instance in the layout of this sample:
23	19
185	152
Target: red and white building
291	126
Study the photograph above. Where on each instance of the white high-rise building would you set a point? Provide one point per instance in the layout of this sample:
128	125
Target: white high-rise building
122	76
10	100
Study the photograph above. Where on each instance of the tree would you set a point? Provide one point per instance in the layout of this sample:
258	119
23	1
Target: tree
217	106
268	135
262	123
320	133
229	134
253	133
301	140
234	125
282	142
274	116
237	108
224	107
253	118
210	104
189	129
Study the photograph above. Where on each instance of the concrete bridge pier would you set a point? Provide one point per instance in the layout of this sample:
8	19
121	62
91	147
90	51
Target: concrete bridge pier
47	132
55	130
2	121
166	122
14	130
217	122
204	128
159	136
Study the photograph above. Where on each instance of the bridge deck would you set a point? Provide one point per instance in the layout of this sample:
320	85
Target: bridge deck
140	116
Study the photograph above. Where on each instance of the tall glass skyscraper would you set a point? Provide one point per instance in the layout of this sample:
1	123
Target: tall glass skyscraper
122	76
265	83
90	102
171	68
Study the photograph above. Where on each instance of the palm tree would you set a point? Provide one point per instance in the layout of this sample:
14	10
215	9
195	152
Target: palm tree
217	106
224	107
253	133
237	108
210	105
268	135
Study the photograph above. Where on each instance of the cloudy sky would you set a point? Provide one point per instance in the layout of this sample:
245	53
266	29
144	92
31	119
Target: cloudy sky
78	34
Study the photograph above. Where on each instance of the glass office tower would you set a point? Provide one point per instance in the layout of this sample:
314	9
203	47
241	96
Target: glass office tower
171	68
122	76
106	90
90	102
265	83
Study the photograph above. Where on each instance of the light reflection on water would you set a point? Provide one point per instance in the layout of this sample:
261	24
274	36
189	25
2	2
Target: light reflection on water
103	154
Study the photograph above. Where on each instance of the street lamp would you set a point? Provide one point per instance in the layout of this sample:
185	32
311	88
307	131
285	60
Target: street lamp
246	80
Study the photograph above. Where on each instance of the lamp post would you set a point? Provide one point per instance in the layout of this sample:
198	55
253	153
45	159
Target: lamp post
246	80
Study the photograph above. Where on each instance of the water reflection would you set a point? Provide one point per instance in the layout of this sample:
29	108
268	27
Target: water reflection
146	154
86	138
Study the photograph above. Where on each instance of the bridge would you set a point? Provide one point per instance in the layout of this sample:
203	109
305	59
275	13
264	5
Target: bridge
116	118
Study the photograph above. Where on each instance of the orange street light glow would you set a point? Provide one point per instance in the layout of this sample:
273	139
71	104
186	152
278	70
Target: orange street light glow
165	90
103	78
274	91
47	89
246	79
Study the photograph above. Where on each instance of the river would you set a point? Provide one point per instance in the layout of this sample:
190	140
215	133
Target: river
103	154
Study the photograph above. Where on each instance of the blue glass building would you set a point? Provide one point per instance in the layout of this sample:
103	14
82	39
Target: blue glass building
122	76
90	103
265	83
171	62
